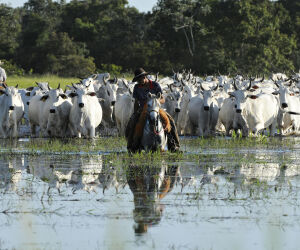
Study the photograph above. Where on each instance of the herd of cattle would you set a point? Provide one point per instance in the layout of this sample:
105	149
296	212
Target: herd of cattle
199	106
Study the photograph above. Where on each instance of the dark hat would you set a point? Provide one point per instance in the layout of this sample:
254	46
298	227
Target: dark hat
138	73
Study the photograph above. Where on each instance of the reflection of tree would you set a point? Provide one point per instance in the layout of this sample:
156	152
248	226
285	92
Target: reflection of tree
149	184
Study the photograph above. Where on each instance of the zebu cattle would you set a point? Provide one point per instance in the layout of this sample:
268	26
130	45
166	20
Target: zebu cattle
183	114
3	76
254	112
95	78
27	94
108	93
226	114
58	117
106	90
172	103
123	110
203	113
11	111
289	104
86	112
40	107
278	76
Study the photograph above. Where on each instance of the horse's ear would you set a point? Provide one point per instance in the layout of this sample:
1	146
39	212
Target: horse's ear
149	95
158	95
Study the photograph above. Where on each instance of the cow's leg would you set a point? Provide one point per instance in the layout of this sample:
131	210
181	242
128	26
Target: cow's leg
273	128
33	129
2	131
15	130
92	132
200	131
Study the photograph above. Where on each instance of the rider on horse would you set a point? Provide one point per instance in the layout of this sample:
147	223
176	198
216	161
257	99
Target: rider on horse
140	93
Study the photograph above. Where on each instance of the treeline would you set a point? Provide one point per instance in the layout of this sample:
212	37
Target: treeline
207	36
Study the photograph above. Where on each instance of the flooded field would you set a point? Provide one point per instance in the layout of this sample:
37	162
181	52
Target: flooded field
220	193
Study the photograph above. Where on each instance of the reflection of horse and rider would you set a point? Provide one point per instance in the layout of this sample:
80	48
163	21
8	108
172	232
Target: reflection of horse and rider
140	122
149	184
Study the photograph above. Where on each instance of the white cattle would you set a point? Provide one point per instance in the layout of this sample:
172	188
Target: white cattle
278	76
40	108
226	114
11	111
3	76
203	113
172	103
58	116
86	112
255	112
28	93
182	119
107	91
123	110
95	78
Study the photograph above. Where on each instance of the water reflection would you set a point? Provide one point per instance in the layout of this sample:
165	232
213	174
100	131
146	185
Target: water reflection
149	185
79	173
10	172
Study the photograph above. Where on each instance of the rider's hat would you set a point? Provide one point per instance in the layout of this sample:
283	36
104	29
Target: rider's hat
138	73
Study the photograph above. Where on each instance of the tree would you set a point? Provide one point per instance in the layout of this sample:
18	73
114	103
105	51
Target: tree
9	29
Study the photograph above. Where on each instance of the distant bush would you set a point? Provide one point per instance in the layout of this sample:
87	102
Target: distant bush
72	66
12	69
111	68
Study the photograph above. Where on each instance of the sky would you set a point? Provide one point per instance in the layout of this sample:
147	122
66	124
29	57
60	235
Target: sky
141	5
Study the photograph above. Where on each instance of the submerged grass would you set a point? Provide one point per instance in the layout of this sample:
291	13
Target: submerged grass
189	145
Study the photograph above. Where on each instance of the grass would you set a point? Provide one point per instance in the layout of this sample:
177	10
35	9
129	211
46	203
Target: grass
203	152
53	80
28	81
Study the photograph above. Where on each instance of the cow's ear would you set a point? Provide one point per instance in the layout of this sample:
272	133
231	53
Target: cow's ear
275	93
253	96
63	96
29	88
72	94
92	94
44	98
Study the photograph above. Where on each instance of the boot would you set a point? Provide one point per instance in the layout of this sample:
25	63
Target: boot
173	138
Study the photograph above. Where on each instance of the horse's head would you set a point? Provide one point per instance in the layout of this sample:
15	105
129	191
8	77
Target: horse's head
153	106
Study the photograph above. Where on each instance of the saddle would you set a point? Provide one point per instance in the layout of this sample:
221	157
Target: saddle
139	128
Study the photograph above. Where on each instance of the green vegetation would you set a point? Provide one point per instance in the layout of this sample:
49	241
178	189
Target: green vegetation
78	38
205	151
28	81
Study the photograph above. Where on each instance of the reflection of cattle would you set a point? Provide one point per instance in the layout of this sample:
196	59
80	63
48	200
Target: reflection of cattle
10	172
87	174
149	185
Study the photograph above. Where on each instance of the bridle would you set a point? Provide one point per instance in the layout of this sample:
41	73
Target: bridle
156	122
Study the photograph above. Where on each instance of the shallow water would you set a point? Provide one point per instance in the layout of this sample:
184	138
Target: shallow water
245	198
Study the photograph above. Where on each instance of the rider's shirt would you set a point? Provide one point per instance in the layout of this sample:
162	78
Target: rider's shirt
140	92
